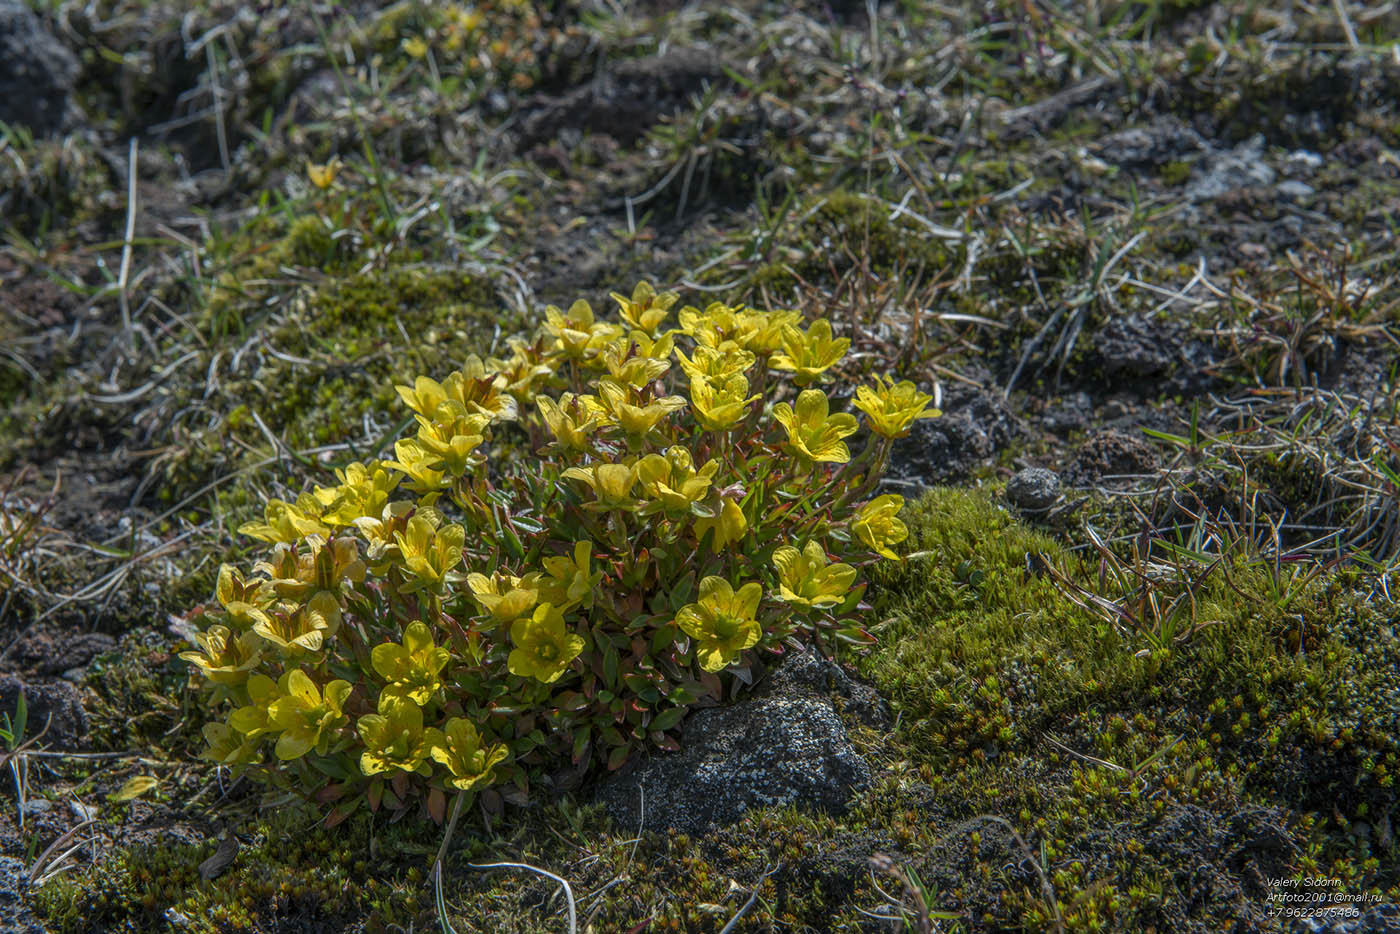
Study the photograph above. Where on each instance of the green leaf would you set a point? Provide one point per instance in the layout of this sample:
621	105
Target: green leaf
662	638
581	744
332	767
21	720
668	718
616	758
680	593
610	663
135	787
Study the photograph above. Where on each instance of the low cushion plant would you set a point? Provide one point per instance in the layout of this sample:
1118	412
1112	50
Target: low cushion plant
461	618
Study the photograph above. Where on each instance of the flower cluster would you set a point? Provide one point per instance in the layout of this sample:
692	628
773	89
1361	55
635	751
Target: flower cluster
427	627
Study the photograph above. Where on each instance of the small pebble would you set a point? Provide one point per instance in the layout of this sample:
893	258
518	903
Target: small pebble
35	807
1034	488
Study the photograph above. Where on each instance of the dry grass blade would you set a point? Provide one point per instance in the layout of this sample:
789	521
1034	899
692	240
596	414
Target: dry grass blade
753	900
46	866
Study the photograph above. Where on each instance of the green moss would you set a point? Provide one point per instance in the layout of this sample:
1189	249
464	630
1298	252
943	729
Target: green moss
847	229
288	874
1175	173
977	666
136	698
341	346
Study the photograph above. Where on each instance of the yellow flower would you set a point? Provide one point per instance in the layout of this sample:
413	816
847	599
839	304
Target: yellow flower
288	522
482	389
634	370
762	331
722	623
570	580
467	757
450	439
646	309
523	370
411	668
380	532
809	355
672	481
543	647
234	588
255	719
648	348
629	413
302	629
878	524
323	175
464	18
429	551
504	597
363	491
717	326
569	420
225	658
226	746
420	465
244	601
806	578
306	717
325	565
577	333
717	365
394	738
478	387
415	47
813	434
424	396
728	522
892	408
611	483
719	406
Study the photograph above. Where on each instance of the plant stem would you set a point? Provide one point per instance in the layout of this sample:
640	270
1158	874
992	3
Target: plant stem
451	827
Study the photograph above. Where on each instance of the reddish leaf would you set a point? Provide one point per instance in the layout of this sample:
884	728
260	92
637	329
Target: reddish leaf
580	746
437	805
616	758
330	793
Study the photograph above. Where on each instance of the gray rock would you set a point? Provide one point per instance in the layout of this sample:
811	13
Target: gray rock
58	699
15	916
1377	919
1069	415
786	745
1294	190
1034	488
1164	140
1301	163
1240	167
36	72
36	807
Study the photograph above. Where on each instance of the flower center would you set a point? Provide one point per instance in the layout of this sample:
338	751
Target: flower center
726	626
